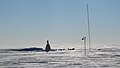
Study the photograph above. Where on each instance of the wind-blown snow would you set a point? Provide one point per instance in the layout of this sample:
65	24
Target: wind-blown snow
97	58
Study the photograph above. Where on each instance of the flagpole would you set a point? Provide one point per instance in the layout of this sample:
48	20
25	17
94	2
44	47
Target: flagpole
84	39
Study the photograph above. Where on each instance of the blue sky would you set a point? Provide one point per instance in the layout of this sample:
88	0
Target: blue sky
26	23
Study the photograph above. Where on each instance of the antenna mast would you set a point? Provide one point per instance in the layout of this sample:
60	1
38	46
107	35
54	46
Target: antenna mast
88	28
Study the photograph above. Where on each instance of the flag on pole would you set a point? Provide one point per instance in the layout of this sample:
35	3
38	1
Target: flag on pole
84	38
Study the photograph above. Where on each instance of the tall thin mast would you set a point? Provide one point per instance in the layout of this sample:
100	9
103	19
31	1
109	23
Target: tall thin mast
88	28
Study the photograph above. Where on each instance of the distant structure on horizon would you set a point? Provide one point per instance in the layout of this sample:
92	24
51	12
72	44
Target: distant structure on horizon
47	48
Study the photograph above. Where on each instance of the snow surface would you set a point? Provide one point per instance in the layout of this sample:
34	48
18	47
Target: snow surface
97	58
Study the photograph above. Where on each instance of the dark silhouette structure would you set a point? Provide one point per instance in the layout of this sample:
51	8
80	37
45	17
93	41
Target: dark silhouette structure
27	49
47	48
71	49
